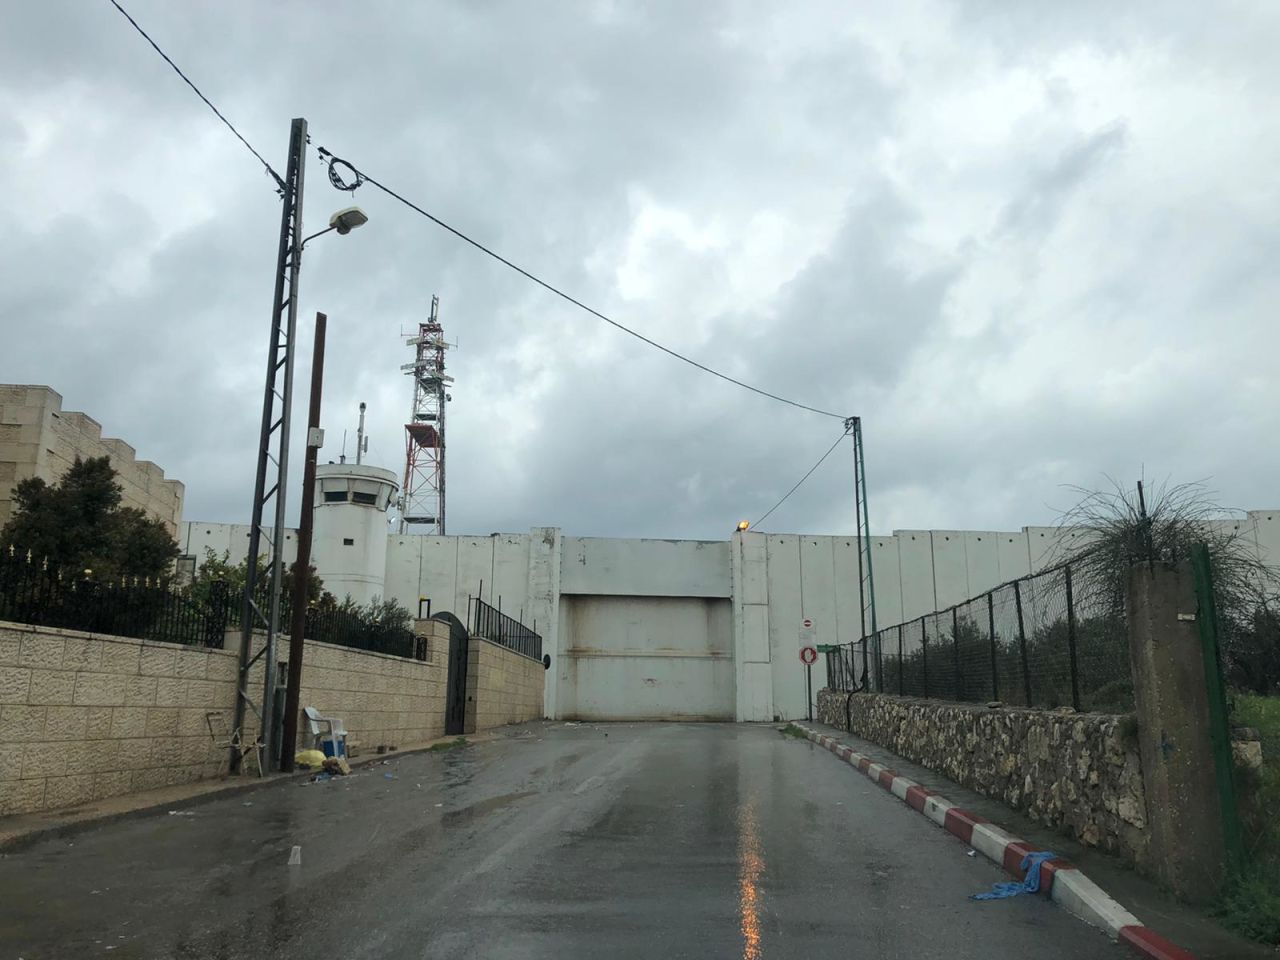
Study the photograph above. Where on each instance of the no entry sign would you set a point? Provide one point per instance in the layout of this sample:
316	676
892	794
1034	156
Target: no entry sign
808	635
808	656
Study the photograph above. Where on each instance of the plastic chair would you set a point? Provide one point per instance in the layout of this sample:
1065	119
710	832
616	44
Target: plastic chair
225	738
324	728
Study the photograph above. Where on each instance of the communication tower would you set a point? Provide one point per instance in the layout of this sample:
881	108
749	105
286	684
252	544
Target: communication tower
423	503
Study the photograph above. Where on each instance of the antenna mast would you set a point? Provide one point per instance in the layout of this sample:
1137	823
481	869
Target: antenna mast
424	433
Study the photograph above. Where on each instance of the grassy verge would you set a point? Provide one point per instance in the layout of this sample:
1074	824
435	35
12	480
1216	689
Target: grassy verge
1251	905
791	730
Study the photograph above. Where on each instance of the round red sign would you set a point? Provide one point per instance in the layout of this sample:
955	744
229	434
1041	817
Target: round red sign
808	655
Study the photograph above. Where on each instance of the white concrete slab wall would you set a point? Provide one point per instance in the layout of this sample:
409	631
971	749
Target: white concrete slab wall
225	539
773	581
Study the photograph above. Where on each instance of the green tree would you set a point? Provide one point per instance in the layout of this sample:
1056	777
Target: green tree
220	568
78	524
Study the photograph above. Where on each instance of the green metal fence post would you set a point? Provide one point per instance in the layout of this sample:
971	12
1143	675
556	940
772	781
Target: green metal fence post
1219	732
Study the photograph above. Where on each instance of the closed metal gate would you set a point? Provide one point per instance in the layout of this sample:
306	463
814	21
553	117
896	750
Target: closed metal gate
455	715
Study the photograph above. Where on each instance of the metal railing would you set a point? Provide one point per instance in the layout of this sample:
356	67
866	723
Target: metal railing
492	624
31	591
1029	642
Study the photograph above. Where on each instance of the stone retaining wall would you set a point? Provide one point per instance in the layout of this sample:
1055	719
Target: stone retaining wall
1078	773
502	686
86	716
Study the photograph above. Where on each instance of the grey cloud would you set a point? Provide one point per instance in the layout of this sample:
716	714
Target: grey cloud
535	129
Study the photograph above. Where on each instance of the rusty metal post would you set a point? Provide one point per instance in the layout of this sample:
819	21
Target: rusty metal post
302	566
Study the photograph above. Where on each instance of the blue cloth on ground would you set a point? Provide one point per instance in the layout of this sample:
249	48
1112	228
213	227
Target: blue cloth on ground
1031	865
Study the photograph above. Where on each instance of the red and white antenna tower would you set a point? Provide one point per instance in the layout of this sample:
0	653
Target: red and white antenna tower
423	502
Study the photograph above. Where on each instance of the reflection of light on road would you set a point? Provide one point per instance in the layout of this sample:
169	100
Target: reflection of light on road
751	865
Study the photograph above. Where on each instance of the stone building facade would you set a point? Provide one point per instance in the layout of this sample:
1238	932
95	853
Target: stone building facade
40	439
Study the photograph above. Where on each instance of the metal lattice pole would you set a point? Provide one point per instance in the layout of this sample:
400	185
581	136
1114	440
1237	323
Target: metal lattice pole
862	530
272	466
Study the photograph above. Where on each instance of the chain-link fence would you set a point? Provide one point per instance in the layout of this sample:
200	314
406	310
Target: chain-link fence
1029	642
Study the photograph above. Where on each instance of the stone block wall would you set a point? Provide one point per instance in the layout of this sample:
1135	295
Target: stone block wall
502	686
382	700
84	716
1078	773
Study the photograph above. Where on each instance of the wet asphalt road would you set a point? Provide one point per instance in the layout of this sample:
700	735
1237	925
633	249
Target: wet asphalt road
617	841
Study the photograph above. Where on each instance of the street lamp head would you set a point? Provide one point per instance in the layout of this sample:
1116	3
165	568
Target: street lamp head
347	219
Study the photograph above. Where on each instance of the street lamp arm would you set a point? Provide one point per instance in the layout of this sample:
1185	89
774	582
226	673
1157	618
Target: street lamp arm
303	246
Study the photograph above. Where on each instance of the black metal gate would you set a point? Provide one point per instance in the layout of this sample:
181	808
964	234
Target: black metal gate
455	714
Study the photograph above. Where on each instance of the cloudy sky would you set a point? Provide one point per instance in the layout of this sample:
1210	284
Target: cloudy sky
1030	244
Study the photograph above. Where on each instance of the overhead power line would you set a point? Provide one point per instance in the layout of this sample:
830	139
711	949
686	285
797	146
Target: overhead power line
802	479
362	177
218	113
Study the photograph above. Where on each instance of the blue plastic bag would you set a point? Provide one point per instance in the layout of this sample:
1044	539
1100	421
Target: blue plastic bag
1031	865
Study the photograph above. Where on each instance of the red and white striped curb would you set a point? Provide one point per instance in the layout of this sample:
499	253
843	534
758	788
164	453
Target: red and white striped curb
1063	883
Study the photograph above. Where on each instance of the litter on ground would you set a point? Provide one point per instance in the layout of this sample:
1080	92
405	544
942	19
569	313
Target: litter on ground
1031	864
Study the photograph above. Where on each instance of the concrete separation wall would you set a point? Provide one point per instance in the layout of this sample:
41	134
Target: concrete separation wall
1076	772
502	686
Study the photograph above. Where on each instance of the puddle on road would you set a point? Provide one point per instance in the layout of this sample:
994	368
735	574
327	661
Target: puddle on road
481	807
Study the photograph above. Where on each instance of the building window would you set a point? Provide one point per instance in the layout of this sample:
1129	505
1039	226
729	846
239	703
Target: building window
335	496
371	499
348	542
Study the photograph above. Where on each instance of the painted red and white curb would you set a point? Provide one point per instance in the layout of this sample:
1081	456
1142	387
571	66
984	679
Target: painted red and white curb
1062	882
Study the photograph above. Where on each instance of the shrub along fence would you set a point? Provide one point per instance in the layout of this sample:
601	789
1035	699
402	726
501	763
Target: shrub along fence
31	591
1029	642
346	627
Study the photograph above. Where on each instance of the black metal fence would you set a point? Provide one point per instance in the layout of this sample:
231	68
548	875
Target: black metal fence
493	624
345	627
33	592
1030	642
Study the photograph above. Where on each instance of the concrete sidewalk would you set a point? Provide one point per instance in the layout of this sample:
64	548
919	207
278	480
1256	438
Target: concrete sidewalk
1177	921
18	831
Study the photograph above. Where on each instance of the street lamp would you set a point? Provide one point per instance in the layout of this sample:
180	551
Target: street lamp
273	444
344	221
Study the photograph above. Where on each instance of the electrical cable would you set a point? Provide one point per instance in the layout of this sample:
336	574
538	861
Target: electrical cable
801	480
218	113
361	178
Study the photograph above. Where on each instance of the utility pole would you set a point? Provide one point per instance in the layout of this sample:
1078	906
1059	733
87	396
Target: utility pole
862	525
302	566
273	466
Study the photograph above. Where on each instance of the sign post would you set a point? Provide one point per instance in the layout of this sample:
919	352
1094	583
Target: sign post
808	656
